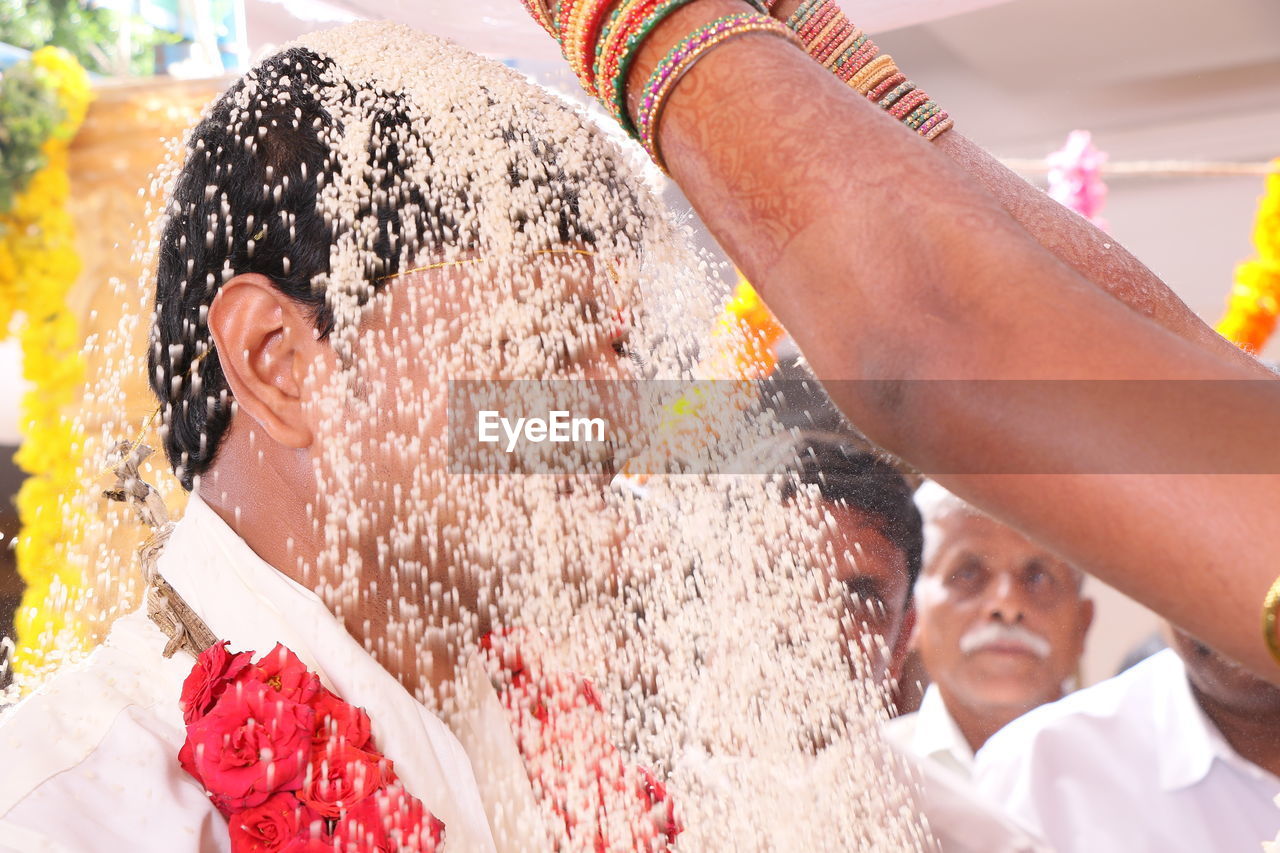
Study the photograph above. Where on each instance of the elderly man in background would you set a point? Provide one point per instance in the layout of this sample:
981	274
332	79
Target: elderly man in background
1181	752
1000	627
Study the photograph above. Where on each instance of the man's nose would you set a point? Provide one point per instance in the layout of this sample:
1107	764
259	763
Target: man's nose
1005	603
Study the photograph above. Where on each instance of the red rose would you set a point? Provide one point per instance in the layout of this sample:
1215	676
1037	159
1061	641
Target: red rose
281	670
390	821
214	670
269	827
313	843
341	776
339	721
251	745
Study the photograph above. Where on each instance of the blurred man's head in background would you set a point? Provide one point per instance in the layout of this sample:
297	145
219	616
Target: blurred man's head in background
874	535
1001	621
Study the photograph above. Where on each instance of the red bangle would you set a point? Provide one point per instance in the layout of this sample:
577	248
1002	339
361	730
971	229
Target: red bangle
887	85
815	24
858	61
907	104
582	24
838	36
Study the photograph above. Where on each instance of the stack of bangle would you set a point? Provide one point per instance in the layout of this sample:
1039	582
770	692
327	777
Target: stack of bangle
580	23
682	58
619	45
601	48
832	39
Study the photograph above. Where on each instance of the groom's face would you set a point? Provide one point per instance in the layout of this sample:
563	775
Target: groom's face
383	411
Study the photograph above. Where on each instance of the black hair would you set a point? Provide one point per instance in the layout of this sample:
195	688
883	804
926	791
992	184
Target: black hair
861	480
245	201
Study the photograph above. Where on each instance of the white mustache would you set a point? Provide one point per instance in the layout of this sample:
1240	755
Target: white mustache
992	633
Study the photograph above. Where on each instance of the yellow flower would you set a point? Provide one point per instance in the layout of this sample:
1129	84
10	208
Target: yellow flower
1254	303
38	266
71	83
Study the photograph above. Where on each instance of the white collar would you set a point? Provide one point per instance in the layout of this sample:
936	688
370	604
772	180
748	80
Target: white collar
937	735
1183	723
247	602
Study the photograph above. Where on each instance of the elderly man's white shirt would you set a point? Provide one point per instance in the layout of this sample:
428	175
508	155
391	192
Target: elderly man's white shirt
89	761
932	733
1130	764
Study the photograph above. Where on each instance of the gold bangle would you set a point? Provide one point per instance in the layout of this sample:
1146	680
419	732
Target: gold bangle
866	78
1271	618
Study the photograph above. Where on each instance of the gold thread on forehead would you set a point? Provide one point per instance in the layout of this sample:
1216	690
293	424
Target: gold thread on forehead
443	264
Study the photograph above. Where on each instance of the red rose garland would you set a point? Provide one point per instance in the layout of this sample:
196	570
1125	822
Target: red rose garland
289	764
559	724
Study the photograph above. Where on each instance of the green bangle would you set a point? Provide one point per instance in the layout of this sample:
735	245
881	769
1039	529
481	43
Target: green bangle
631	49
922	113
603	38
803	12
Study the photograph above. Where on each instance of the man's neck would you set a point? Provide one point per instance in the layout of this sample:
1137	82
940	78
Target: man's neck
1252	735
978	725
290	546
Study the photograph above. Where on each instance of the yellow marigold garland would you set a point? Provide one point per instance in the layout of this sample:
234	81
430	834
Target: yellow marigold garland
38	265
1254	304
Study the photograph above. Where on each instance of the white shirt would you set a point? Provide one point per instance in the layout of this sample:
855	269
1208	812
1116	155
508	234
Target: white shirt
89	761
956	818
932	733
1130	764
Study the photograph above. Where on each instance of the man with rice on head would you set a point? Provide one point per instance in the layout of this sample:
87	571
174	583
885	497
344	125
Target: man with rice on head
368	230
343	238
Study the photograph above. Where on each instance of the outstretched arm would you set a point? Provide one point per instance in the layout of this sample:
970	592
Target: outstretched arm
1075	241
890	263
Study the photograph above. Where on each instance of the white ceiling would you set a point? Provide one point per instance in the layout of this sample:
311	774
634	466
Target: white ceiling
1038	43
502	28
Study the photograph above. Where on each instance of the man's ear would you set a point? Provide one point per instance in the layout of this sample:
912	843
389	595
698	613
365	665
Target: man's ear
904	642
265	343
1086	618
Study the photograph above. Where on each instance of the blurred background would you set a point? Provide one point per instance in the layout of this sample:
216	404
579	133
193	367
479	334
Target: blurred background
1174	81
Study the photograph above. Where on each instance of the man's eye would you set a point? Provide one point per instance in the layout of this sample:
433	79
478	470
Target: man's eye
622	348
866	601
969	573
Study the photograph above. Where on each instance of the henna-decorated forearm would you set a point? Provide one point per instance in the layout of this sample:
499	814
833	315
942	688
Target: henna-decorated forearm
889	263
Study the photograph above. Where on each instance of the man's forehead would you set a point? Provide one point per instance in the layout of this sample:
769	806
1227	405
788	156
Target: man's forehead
961	533
540	280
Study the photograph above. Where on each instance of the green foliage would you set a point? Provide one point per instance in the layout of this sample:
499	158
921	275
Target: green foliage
104	41
29	113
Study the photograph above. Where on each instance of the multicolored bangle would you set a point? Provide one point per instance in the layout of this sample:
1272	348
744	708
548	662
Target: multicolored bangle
539	12
682	58
833	40
936	126
581	28
612	83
